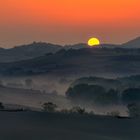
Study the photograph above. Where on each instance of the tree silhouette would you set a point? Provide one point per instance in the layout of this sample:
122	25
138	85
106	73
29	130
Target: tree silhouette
49	107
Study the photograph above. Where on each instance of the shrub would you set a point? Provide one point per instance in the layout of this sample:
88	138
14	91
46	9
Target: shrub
78	110
49	107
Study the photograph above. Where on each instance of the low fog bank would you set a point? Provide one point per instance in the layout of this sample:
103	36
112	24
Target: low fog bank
55	84
34	91
44	83
34	100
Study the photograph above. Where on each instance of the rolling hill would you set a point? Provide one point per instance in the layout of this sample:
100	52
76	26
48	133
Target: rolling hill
27	51
135	43
37	49
82	62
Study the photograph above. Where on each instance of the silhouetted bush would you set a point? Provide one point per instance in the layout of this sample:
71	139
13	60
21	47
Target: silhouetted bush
49	107
78	110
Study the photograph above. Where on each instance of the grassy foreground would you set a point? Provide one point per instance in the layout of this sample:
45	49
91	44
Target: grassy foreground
56	126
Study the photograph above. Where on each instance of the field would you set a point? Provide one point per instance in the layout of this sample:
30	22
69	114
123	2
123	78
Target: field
54	126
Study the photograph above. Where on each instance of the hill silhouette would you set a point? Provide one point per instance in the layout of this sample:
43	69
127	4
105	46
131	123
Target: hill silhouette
88	61
37	49
135	43
27	51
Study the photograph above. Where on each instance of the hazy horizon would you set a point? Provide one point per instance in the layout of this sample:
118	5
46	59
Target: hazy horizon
62	44
68	22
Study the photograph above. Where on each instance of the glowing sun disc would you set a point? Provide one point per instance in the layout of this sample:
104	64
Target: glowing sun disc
93	42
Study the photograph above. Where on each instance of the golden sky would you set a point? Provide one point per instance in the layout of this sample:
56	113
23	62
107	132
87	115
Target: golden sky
68	21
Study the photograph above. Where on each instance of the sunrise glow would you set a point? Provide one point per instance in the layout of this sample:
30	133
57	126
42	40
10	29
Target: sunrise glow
67	21
93	42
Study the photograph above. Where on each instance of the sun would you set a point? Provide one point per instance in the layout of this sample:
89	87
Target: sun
93	42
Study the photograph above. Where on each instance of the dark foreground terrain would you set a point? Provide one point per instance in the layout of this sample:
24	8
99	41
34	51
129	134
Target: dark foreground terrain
45	126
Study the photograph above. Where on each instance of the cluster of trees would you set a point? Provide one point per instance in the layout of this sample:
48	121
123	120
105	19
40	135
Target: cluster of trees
98	94
92	93
51	107
133	110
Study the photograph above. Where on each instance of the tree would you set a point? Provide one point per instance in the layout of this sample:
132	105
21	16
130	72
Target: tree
49	107
78	110
133	110
92	93
85	92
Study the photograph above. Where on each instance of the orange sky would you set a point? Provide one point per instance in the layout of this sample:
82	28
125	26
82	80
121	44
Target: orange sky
68	21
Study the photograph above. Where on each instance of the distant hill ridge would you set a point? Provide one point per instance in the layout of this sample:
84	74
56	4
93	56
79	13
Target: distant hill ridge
82	62
37	49
135	43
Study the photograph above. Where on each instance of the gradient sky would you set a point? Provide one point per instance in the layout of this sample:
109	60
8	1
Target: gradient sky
68	21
